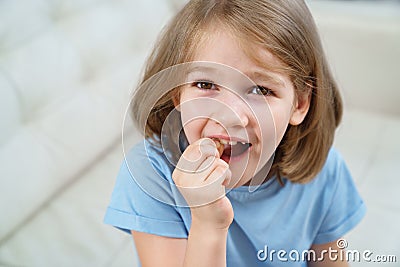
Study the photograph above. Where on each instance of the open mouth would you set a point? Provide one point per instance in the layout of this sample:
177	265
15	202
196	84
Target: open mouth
229	149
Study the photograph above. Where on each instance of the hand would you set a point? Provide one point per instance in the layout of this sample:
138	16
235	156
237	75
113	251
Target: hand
201	176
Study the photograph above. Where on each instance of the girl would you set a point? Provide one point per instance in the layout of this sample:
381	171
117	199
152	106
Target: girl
238	109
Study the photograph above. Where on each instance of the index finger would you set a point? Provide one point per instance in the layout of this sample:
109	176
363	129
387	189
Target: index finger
196	154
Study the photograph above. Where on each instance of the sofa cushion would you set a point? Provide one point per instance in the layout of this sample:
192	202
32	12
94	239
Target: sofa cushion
10	115
69	231
67	84
362	41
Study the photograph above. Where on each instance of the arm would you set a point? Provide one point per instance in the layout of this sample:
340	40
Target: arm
322	250
206	245
201	179
156	250
202	248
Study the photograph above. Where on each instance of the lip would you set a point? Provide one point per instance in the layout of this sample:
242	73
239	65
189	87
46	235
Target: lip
232	159
228	138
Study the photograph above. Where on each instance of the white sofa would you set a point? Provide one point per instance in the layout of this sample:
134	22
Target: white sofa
362	41
66	72
67	69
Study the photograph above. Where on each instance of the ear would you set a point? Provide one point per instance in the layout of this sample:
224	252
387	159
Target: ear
300	107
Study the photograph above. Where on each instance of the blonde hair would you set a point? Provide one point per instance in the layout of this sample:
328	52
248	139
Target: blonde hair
284	28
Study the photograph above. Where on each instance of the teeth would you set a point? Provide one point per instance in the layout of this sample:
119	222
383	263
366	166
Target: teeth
226	142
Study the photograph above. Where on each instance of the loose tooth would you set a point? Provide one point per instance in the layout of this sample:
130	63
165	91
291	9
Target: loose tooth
224	142
220	147
232	143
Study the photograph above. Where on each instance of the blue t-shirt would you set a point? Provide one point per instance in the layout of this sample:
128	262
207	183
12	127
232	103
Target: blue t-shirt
290	218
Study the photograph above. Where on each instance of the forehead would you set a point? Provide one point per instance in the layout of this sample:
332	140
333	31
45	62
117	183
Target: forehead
222	46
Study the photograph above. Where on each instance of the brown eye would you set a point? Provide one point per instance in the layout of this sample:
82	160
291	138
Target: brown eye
261	90
205	85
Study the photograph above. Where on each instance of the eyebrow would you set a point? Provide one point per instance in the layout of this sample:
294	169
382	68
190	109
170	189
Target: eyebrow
253	76
202	69
266	76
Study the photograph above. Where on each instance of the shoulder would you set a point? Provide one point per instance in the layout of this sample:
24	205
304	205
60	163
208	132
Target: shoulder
334	169
333	161
334	177
146	154
339	201
144	198
144	149
145	168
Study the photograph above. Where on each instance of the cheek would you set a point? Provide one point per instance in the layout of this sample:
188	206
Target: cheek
193	129
282	118
193	121
194	115
272	125
192	107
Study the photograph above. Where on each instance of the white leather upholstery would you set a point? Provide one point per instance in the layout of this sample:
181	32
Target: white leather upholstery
67	69
66	72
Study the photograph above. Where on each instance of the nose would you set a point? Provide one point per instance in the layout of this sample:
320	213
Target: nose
232	110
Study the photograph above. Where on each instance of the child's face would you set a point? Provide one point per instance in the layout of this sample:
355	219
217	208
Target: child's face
224	105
